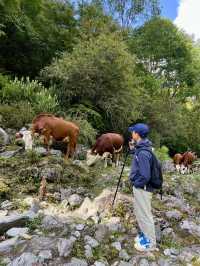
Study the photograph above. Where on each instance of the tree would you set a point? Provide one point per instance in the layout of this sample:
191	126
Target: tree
131	12
32	32
166	53
100	74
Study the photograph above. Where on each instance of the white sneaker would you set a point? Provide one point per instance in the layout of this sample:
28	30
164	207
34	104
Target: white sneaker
144	245
139	237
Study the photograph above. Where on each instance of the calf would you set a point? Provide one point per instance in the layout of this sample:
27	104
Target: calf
108	145
187	161
177	159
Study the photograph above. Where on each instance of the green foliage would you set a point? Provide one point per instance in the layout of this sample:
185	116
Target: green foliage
33	32
129	12
101	72
16	115
162	153
25	90
22	99
87	134
4	189
33	156
170	58
34	223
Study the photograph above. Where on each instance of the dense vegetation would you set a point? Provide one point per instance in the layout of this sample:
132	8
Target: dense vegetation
105	64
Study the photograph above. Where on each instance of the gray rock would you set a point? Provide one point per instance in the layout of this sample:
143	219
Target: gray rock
75	200
88	251
99	263
64	204
50	222
117	245
6	205
8	245
187	254
168	166
190	227
17	231
123	263
124	255
53	173
6	261
8	222
76	234
167	252
174	215
5	136
143	262
114	224
167	231
3	213
91	241
65	246
9	154
101	232
76	262
45	255
39	243
65	193
165	262
26	259
158	232
80	227
57	196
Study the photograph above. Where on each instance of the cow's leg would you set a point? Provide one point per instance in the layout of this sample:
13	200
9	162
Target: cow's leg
106	162
117	159
47	136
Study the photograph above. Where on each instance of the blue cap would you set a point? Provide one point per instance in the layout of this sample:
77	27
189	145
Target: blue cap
141	129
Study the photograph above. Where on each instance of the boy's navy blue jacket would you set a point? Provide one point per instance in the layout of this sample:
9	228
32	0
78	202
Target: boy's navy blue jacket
141	165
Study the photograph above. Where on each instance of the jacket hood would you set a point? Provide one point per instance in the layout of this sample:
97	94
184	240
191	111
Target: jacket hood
144	143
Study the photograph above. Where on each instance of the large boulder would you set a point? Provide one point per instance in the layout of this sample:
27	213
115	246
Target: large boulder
26	259
4	136
8	245
8	222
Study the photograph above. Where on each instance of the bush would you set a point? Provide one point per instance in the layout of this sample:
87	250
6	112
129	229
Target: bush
17	115
33	92
87	132
162	153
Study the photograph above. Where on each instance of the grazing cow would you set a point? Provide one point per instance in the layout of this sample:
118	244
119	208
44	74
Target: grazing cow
177	159
107	146
58	129
188	158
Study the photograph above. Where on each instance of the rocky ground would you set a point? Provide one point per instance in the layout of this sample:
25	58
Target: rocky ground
74	225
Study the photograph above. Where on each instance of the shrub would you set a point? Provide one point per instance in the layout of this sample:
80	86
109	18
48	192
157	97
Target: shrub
14	91
162	153
17	115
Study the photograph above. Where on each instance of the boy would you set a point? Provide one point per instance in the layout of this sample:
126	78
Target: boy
140	176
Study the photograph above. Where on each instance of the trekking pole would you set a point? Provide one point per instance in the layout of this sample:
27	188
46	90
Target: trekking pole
126	156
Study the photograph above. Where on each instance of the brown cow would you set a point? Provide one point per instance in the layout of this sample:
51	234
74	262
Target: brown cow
177	159
108	145
187	160
58	129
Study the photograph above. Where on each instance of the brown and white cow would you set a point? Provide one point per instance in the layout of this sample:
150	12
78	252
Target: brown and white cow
177	159
107	146
187	161
52	127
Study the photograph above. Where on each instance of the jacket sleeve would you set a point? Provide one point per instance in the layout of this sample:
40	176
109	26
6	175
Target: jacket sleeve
132	170
144	175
